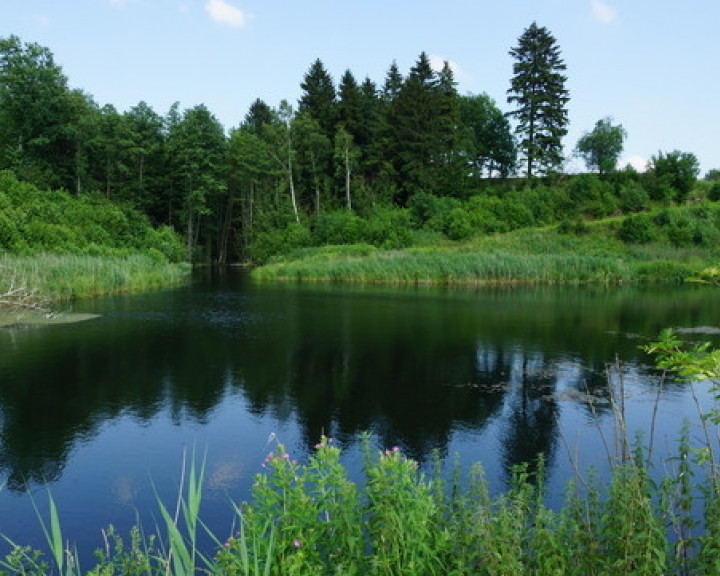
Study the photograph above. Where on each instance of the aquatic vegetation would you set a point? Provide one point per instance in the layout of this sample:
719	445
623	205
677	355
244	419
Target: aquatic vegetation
45	278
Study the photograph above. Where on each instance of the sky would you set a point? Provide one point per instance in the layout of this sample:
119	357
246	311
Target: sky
650	65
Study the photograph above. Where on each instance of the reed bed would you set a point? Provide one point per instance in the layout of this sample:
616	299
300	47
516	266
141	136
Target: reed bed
60	277
470	267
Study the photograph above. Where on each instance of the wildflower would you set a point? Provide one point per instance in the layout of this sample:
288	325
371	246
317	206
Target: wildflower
296	543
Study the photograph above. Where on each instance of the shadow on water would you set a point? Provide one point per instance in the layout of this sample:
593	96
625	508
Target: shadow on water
413	365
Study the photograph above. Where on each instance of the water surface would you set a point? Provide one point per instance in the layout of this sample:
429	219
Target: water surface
102	411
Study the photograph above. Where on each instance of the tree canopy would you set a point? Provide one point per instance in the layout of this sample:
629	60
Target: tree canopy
602	147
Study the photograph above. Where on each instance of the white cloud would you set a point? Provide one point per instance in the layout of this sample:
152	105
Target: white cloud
225	13
438	62
637	162
603	12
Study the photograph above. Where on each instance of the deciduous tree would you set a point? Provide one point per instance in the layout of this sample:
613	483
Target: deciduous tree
36	115
678	170
602	147
486	137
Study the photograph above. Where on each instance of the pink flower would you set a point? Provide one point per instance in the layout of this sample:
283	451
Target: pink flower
296	543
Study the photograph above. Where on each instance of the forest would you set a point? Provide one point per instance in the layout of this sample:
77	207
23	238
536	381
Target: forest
408	161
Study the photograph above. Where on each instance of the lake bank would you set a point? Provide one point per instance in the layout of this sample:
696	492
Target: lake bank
523	257
36	281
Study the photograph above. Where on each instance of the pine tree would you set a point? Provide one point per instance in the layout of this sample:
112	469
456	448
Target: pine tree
538	90
319	98
423	120
259	115
348	108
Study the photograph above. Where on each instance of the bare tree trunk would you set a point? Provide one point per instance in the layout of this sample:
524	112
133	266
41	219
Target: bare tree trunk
189	246
347	178
292	186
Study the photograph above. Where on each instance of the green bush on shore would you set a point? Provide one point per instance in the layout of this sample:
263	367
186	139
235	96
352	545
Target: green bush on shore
38	221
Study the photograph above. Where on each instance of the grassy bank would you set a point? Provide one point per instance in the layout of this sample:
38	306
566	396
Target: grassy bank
59	277
527	256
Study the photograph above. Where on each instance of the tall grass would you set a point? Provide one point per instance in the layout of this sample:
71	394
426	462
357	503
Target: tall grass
539	256
57	277
471	266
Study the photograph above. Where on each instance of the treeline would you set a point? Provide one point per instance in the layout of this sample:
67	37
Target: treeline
354	161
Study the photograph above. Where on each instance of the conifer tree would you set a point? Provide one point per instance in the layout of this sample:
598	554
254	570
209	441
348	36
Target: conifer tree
349	105
259	115
319	98
538	89
423	120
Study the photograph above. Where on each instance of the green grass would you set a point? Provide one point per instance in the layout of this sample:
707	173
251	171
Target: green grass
529	256
60	277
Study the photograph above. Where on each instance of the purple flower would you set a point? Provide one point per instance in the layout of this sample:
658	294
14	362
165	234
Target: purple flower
296	543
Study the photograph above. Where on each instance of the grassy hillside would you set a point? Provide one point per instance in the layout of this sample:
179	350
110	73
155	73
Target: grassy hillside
664	245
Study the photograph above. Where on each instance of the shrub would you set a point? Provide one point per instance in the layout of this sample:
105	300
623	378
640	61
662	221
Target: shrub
677	171
637	229
388	228
714	192
337	227
458	225
633	197
277	241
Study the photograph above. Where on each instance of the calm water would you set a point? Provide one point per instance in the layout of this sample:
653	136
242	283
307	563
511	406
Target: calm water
103	410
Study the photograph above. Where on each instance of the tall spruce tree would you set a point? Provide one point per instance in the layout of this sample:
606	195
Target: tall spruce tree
538	89
423	119
319	97
349	105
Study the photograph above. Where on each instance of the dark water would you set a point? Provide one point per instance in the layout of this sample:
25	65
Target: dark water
102	411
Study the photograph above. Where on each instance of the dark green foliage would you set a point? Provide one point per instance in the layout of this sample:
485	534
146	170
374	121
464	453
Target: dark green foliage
413	143
197	145
676	170
319	97
538	90
33	221
276	241
486	139
338	227
714	192
458	225
388	228
637	229
713	175
592	195
258	116
633	197
422	121
39	116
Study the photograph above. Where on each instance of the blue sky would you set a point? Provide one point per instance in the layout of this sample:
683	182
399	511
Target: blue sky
651	65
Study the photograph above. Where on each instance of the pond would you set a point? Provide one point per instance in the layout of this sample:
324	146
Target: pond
102	412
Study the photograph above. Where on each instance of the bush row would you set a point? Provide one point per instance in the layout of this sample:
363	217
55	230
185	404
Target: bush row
571	204
33	220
